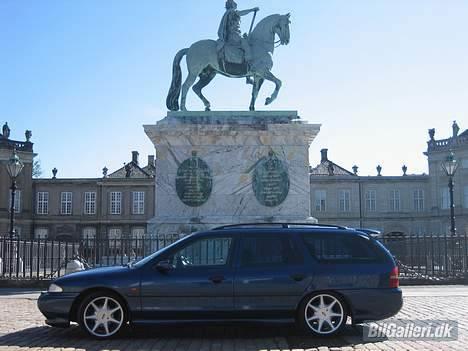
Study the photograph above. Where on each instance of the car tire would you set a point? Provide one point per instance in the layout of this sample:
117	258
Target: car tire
322	314
102	315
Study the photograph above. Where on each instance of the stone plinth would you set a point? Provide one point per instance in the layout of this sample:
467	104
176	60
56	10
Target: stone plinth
215	168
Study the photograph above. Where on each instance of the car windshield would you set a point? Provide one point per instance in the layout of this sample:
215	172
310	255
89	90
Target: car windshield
147	259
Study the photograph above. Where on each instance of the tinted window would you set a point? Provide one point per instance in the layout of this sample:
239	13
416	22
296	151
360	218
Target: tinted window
203	252
267	250
341	248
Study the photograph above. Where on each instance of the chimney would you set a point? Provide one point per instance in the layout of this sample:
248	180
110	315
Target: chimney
135	157
324	153
150	160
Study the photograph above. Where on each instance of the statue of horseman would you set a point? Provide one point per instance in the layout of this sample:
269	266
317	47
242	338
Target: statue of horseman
233	55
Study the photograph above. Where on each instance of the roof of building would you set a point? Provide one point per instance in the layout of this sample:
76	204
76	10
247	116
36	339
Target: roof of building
329	168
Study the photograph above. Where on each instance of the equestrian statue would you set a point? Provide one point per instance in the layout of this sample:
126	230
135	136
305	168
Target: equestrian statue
232	55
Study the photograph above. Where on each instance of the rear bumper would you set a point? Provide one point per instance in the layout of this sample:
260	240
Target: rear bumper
373	304
56	307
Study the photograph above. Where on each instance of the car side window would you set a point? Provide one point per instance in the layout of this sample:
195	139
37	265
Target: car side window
330	248
203	252
267	250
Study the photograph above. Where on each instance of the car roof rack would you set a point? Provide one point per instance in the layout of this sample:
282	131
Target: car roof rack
280	225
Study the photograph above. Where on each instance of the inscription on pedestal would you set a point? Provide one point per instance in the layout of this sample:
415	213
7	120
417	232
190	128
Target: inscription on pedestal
194	181
271	181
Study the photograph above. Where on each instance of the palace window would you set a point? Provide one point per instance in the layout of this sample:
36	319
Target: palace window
320	200
139	202
418	197
137	237
395	200
115	203
42	203
41	233
465	202
115	237
371	200
345	201
89	203
445	198
89	236
17	205
66	203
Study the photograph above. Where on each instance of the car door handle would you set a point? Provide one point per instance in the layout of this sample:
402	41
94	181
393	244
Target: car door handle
217	279
297	277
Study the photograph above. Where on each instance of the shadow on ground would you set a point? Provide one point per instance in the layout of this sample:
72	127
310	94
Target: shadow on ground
180	337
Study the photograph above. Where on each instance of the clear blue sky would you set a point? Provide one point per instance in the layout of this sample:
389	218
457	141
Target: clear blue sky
85	75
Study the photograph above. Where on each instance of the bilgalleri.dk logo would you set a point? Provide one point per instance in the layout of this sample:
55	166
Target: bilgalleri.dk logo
404	329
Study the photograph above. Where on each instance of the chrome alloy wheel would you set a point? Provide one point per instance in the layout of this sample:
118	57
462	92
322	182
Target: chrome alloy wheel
103	317
324	314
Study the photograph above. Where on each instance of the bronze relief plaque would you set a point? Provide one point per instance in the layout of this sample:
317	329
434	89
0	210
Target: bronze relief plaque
194	182
271	181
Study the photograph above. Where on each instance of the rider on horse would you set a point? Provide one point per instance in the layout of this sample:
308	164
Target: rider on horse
229	32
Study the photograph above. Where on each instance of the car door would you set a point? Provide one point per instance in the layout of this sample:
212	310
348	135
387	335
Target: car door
270	276
197	284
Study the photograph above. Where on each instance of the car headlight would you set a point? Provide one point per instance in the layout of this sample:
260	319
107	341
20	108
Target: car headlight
54	288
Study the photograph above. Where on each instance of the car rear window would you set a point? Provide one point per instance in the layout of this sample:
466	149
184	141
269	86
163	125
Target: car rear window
333	248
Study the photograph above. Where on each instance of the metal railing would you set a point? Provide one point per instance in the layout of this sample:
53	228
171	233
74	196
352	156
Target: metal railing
430	257
427	257
47	259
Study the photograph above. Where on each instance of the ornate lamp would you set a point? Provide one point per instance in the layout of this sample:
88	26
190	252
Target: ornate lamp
450	166
14	168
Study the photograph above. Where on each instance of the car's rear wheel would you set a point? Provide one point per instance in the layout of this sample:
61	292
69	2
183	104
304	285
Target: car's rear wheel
323	314
102	315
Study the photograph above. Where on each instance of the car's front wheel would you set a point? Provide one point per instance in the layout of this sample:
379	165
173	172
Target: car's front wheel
102	315
322	314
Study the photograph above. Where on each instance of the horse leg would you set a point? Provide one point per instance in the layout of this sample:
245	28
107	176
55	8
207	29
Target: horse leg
205	78
258	82
270	76
185	88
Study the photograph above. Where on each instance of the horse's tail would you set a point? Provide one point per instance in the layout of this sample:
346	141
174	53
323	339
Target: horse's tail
172	101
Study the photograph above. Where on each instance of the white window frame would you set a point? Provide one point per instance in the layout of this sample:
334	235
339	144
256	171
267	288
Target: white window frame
41	233
88	235
395	201
114	237
138	233
90	202
344	200
138	202
115	204
66	203
371	200
418	200
17	204
42	207
320	200
465	197
444	198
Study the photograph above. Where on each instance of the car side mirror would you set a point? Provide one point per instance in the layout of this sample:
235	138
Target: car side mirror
164	266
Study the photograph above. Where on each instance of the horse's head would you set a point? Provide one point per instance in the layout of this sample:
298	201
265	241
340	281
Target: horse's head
282	29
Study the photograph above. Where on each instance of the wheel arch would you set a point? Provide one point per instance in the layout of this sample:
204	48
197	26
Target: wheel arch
79	299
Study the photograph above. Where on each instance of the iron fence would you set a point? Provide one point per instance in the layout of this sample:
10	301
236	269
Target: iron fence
429	257
47	259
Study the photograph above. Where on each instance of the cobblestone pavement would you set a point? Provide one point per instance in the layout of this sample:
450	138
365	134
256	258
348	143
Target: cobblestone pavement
22	328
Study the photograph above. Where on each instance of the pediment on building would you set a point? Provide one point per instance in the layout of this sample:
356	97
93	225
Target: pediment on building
329	168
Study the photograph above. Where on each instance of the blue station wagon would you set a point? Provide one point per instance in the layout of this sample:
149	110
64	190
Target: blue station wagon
316	276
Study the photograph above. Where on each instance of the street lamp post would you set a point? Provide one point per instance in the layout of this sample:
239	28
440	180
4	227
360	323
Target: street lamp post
14	167
450	166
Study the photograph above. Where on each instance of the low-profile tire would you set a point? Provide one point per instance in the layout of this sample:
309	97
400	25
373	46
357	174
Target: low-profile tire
322	314
102	315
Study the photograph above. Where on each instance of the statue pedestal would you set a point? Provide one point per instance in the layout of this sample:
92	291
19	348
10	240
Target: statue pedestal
217	168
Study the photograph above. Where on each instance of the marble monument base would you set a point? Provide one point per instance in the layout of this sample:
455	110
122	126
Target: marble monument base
218	168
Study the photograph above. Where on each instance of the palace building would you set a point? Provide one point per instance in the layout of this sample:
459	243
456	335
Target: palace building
121	203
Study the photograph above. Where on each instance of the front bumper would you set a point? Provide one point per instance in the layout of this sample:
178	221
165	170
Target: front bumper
56	307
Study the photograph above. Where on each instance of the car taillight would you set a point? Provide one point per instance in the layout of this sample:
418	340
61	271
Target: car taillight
394	278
